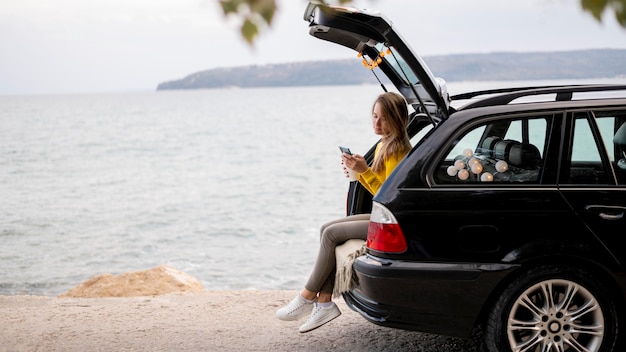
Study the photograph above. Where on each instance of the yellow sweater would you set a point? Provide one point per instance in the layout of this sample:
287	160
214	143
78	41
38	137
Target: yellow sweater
372	180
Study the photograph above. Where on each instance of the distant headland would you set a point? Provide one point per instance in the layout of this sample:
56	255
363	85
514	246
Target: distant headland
497	66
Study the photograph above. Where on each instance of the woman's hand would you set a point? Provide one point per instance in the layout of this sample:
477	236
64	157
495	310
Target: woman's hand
355	162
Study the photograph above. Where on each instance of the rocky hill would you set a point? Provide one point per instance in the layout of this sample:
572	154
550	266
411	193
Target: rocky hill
598	63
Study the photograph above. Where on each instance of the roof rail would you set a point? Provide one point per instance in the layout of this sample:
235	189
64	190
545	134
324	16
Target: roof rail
507	95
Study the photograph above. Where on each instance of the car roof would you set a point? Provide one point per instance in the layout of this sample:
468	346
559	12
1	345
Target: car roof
373	37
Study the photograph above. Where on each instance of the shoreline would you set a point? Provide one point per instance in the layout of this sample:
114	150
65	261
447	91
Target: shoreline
194	321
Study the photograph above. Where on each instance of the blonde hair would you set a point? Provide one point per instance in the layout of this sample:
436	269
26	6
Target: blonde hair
395	113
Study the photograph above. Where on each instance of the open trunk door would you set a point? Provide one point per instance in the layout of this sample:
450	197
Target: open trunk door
372	35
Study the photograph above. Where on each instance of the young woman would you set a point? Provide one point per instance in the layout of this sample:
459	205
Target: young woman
389	120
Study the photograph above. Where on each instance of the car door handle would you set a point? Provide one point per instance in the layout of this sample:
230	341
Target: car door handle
607	212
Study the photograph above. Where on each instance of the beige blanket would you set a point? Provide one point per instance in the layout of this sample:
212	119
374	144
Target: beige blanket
346	254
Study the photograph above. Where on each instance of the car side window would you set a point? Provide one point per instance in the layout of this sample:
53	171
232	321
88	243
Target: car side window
501	151
612	126
586	164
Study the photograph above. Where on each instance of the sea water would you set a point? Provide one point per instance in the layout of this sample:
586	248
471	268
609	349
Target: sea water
228	185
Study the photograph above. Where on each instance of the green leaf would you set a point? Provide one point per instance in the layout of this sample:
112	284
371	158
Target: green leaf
230	6
249	31
598	7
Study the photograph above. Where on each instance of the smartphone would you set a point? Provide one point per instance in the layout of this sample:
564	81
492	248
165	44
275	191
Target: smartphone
345	150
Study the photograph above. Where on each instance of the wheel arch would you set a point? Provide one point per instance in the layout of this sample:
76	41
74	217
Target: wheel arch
598	270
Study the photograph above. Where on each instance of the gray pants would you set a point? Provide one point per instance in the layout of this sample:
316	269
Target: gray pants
333	234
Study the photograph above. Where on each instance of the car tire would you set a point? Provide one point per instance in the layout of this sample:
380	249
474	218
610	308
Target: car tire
581	313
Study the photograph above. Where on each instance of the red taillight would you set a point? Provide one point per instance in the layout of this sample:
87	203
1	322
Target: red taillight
384	234
385	238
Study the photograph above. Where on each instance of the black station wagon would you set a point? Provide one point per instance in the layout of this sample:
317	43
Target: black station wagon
505	220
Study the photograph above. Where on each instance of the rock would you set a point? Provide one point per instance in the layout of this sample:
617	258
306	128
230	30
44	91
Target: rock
156	281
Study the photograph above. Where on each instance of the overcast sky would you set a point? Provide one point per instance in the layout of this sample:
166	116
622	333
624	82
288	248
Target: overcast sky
90	46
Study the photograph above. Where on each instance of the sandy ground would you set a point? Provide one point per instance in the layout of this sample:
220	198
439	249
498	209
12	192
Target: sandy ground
193	321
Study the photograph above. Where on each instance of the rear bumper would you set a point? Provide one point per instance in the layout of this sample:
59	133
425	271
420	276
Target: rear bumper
441	298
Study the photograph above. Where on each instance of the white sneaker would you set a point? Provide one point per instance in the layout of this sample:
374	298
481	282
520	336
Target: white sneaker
296	309
320	316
